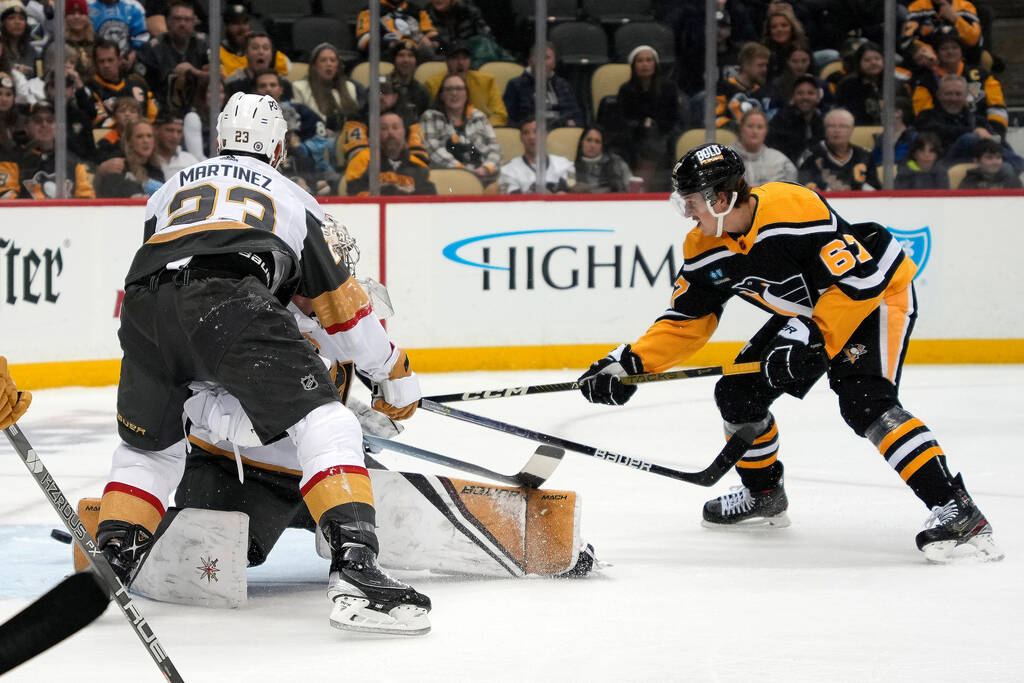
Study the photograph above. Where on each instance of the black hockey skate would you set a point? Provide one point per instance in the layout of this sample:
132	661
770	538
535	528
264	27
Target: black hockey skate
957	523
367	599
742	508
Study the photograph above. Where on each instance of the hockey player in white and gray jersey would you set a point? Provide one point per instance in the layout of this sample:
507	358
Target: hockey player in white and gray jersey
229	242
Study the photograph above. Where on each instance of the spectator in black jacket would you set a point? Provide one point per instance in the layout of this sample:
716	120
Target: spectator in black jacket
413	96
562	107
861	91
992	172
648	111
835	164
457	21
799	124
179	53
953	120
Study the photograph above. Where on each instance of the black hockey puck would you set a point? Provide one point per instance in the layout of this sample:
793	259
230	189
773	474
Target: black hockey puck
60	535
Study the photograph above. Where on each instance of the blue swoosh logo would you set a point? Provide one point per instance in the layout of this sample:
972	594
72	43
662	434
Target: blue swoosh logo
450	251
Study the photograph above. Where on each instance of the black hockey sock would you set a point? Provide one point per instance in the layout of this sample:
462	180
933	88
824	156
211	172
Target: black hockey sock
932	482
761	479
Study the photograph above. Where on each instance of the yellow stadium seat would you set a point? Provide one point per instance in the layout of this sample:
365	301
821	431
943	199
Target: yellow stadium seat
511	145
606	81
361	72
563	141
956	173
503	72
864	136
695	137
298	71
426	70
449	181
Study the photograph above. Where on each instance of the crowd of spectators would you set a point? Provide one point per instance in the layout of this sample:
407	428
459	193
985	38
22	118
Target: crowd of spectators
796	80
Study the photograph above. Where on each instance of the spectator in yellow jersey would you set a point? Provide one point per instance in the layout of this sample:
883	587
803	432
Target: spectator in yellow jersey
232	48
483	91
355	132
259	55
400	172
739	94
107	85
926	17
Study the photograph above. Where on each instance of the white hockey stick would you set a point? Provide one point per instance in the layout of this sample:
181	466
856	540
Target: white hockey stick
105	578
534	473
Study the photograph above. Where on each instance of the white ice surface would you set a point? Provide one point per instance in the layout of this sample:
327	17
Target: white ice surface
842	595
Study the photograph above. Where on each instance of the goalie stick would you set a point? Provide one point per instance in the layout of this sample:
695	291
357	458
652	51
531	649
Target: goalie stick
710	371
709	476
63	596
535	472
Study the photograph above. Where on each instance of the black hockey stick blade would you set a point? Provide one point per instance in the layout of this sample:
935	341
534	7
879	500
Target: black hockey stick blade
726	458
49	620
535	472
686	373
103	571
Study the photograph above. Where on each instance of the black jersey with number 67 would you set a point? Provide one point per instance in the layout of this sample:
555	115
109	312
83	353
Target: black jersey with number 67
798	258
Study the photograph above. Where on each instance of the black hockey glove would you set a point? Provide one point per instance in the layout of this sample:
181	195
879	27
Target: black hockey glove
600	384
796	354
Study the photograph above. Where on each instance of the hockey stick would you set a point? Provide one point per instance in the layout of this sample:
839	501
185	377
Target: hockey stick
711	371
104	573
535	472
48	620
723	462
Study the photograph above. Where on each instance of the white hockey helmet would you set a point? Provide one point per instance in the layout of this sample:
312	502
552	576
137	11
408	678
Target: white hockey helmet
254	124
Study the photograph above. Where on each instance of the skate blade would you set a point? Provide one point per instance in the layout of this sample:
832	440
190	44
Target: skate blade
779	521
353	614
980	548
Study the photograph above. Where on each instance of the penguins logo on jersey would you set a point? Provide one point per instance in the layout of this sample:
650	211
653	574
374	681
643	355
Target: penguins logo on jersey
853	352
789	297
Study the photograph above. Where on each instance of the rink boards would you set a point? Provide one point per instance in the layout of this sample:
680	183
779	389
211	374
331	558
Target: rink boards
501	283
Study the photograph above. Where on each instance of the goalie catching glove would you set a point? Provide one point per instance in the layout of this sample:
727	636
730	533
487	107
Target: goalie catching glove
13	403
600	384
797	354
399	394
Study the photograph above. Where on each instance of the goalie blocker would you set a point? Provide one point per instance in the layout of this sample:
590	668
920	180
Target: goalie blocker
441	524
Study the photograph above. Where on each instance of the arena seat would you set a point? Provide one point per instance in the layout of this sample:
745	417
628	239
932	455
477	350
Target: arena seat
695	137
308	32
511	145
426	70
558	10
361	72
503	72
449	181
618	11
658	36
864	136
563	141
606	81
956	173
580	43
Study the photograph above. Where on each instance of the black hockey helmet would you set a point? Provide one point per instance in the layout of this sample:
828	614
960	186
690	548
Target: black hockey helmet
705	168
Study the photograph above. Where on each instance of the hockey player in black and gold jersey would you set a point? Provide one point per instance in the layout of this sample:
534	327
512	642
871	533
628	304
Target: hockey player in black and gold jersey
842	303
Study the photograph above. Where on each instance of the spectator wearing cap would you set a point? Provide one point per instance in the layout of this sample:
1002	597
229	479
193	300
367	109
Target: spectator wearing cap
984	92
80	110
413	96
561	106
15	36
926	17
401	172
36	176
799	63
483	91
519	176
122	21
180	53
107	84
762	163
835	164
168	154
647	116
398	21
458	135
232	49
739	94
800	123
327	91
79	38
